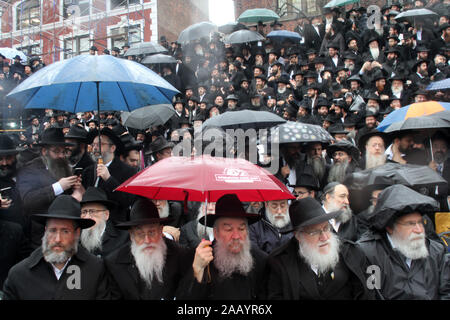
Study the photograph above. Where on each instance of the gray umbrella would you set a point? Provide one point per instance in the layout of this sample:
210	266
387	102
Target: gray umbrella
148	117
197	31
398	200
245	119
415	14
291	132
145	48
158	59
243	36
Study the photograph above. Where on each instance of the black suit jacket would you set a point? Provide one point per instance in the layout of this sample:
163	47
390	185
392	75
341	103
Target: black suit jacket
312	39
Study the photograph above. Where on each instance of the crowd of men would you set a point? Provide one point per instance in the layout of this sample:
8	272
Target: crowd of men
67	234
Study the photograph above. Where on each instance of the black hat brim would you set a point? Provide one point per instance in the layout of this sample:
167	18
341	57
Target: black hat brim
82	222
315	220
107	203
129	224
211	219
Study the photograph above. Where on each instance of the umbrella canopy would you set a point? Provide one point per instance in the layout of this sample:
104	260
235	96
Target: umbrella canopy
245	119
197	31
145	48
339	3
282	35
292	131
88	82
439	85
147	117
433	121
158	59
10	53
415	14
399	119
243	36
256	15
205	178
231	27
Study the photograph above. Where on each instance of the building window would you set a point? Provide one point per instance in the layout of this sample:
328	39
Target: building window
28	14
125	34
123	3
290	9
76	46
31	50
76	7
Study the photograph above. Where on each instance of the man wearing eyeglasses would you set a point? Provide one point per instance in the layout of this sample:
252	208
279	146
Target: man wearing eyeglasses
102	238
315	263
410	265
44	178
150	266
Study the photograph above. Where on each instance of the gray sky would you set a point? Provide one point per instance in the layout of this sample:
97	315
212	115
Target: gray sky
221	11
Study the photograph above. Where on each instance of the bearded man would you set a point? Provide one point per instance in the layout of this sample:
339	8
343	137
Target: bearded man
230	268
345	156
46	177
150	266
317	162
335	198
192	233
373	146
76	154
267	233
412	267
315	263
60	269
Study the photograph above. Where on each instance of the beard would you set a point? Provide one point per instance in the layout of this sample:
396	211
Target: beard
350	67
150	264
279	220
281	90
57	257
75	155
318	166
346	212
440	157
165	211
424	73
375	52
373	160
396	91
323	262
8	171
373	109
58	168
228	263
91	238
413	247
338	172
105	155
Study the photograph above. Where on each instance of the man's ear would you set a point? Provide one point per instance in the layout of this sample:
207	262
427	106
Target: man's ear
389	230
107	214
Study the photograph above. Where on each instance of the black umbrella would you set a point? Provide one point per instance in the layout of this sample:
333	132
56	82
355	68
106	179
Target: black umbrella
148	117
243	36
197	31
145	48
396	200
291	132
158	59
232	27
245	119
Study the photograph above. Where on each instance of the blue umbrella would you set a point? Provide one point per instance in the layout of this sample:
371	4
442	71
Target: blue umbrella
439	85
284	34
88	83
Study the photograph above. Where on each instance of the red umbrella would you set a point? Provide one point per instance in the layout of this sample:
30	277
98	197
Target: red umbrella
205	178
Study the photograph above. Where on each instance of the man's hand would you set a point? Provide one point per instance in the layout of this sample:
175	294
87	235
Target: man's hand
203	256
103	172
174	232
433	165
68	182
78	190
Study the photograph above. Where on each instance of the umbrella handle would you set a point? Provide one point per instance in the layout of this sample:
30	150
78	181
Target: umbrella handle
207	267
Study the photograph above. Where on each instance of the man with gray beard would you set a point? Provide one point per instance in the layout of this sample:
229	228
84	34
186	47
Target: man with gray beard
335	198
317	162
192	233
373	146
102	238
150	266
315	263
267	233
59	269
410	265
44	178
345	156
230	268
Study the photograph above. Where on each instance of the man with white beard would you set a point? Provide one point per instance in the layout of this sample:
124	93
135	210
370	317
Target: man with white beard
150	266
59	269
173	211
192	233
230	268
373	146
410	265
102	238
335	198
345	157
267	233
315	263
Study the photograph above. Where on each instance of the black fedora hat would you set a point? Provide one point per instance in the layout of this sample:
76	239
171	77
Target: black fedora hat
64	207
130	143
53	137
97	195
229	206
7	146
307	212
110	134
143	212
77	133
160	143
345	146
307	180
